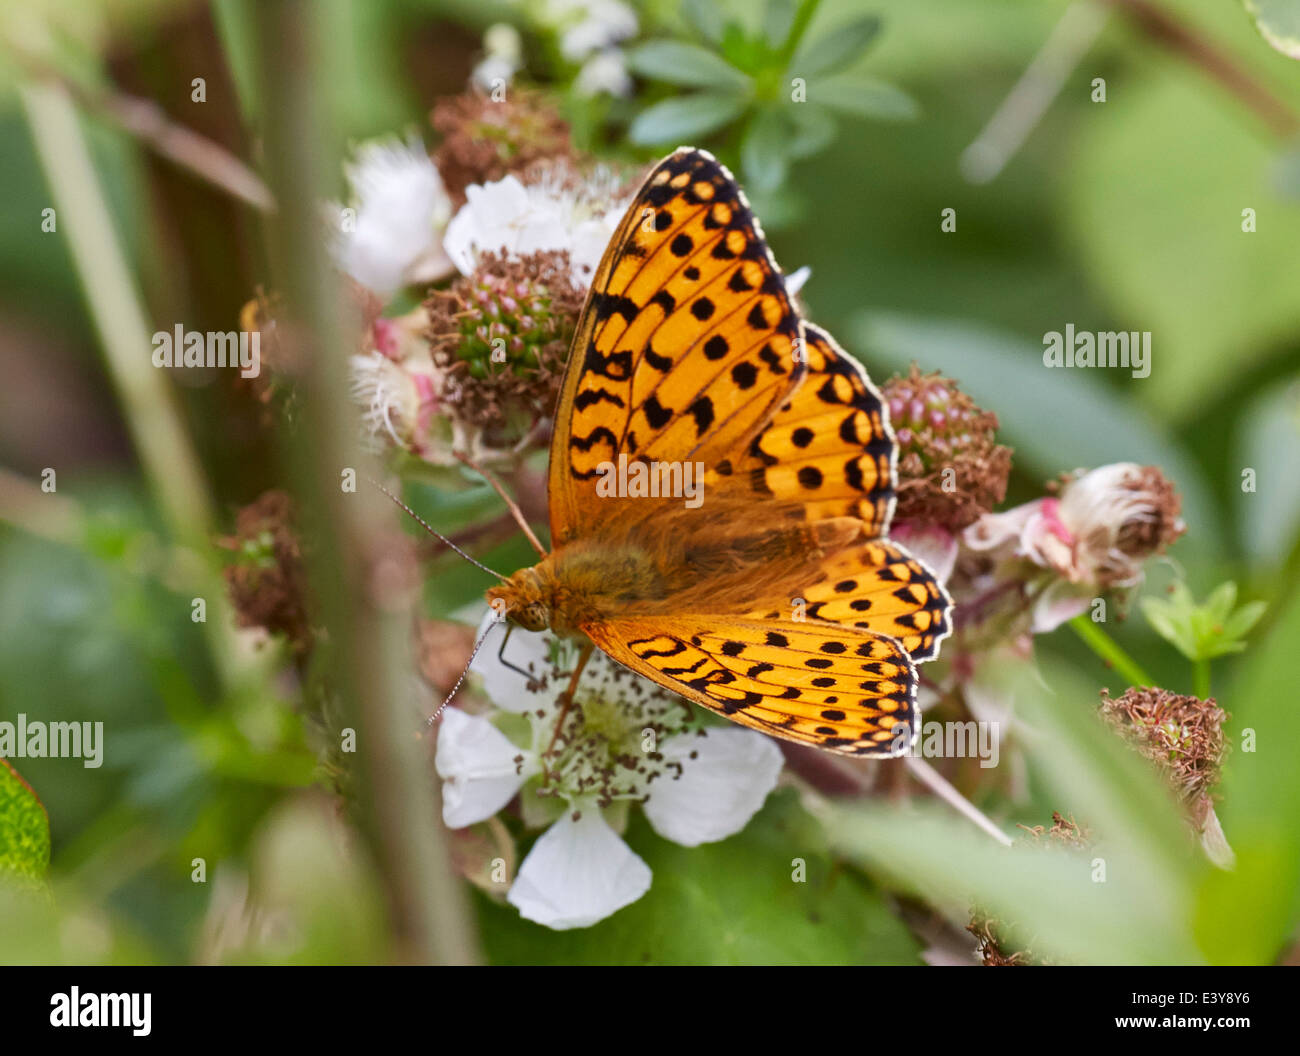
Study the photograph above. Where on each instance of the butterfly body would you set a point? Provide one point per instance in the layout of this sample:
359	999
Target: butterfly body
775	600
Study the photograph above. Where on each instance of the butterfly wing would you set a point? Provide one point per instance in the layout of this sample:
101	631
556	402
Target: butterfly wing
838	688
685	346
829	447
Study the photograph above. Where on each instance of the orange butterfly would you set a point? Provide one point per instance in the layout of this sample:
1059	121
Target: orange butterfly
776	601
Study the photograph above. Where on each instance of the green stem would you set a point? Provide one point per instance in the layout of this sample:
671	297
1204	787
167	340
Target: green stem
1201	678
171	466
371	667
802	20
1108	649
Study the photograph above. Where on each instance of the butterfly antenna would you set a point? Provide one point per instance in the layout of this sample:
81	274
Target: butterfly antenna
454	689
436	534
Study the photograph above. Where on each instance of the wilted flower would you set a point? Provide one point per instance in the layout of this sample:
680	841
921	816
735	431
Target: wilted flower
485	139
266	580
991	943
1184	737
556	213
1094	537
950	468
623	741
399	210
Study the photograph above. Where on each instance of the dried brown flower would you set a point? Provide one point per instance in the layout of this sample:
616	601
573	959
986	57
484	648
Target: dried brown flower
266	579
1182	735
485	140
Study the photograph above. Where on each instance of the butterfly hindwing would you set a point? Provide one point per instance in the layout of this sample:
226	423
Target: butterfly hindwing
846	690
829	447
686	343
878	586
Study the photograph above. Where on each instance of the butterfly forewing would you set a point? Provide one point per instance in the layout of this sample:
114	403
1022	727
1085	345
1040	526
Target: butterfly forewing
687	341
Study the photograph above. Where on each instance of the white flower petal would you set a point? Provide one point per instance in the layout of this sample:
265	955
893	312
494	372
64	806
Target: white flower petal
935	546
477	764
719	789
577	873
400	208
505	687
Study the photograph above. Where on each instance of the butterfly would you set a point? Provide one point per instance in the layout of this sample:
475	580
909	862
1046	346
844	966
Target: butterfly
777	600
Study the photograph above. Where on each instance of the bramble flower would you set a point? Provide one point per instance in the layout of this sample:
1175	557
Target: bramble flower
393	236
555	213
502	338
503	57
485	139
605	73
588	27
950	467
624	741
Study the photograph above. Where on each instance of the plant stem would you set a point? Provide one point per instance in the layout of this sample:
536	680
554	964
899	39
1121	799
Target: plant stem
935	782
372	669
1201	678
1108	649
161	442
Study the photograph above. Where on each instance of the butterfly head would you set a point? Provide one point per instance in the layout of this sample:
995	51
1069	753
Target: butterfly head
525	599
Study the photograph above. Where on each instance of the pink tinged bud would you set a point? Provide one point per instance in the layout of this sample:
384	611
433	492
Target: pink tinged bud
516	344
896	408
385	333
526	322
1051	512
521	289
904	436
937	419
509	305
916	411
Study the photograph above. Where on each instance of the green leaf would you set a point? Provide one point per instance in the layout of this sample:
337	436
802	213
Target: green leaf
733	902
1246	916
681	120
1167	253
1136	911
24	828
680	63
1202	632
837	49
778	18
707	19
1278	21
1269	515
814	129
765	151
865	98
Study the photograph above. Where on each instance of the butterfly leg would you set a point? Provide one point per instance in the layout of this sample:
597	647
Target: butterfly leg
515	511
501	655
567	696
